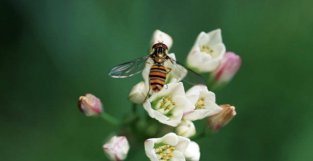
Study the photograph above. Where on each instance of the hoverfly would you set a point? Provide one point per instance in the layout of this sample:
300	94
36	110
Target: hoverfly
158	71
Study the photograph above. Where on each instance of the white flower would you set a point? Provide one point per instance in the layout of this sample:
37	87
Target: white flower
207	52
116	148
203	101
186	129
175	73
138	93
168	105
90	105
192	152
219	120
159	36
229	66
169	147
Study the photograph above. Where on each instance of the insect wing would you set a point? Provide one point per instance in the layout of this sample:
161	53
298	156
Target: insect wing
129	68
186	74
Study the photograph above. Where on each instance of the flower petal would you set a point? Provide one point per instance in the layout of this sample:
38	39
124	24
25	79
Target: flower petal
170	146
192	152
173	99
138	93
116	148
207	52
204	102
159	36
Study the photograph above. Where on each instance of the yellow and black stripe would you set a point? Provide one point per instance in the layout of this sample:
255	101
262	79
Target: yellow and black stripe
157	77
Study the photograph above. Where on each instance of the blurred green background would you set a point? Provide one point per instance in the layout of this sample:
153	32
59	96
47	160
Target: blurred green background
54	51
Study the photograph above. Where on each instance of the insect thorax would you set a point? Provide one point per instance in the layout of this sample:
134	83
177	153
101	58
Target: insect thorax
159	58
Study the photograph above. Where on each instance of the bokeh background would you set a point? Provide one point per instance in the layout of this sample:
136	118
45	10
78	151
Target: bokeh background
54	51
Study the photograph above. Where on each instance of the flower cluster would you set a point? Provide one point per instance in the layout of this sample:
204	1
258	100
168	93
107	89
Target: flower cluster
174	108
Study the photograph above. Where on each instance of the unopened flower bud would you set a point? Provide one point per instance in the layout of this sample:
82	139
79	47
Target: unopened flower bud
138	93
192	153
116	148
229	66
90	105
219	120
186	129
159	36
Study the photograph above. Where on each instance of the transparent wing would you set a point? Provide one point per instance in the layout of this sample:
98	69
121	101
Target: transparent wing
187	74
129	68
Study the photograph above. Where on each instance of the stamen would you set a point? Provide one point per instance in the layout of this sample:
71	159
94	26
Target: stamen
165	105
200	103
164	152
206	49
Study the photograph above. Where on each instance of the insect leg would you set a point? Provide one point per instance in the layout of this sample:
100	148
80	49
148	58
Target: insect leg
148	94
168	70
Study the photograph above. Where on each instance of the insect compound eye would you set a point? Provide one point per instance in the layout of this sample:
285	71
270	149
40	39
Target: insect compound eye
155	46
164	46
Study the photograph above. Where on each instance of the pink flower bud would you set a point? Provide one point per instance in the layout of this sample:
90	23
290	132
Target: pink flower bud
90	105
219	120
228	67
116	148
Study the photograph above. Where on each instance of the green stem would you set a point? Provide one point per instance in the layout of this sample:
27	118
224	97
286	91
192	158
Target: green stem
134	108
110	119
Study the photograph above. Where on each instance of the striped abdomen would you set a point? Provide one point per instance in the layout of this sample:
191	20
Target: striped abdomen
157	77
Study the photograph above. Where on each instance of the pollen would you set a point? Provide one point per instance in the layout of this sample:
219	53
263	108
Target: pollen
165	152
200	103
165	105
206	49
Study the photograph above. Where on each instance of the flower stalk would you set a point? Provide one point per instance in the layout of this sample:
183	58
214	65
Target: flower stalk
110	119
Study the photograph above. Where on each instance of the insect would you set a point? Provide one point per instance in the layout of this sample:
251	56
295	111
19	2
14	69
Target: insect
158	71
